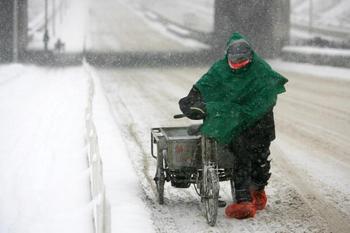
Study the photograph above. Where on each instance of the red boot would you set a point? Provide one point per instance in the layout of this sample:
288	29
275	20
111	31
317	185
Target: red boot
259	199
240	210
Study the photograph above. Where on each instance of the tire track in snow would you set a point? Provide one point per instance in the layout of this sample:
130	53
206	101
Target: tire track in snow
336	221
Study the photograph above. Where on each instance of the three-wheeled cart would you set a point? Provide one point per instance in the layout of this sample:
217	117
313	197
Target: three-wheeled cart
185	157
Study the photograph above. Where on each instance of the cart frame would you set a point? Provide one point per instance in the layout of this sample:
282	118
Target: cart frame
185	159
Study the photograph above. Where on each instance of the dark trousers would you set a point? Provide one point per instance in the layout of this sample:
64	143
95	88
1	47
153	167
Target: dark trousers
251	150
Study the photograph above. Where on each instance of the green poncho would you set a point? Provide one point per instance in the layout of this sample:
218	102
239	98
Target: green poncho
236	99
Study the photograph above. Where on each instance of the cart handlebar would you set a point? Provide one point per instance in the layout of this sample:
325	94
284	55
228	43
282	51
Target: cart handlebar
178	116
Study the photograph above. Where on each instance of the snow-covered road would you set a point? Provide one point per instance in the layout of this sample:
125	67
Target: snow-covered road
308	191
133	32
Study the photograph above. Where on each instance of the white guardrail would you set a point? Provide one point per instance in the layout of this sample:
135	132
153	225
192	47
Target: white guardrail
101	207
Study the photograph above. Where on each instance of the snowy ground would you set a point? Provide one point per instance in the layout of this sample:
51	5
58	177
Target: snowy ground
44	155
45	179
197	15
309	155
44	173
325	14
134	33
329	19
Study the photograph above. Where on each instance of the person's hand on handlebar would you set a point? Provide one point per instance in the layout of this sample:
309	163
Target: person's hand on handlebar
193	105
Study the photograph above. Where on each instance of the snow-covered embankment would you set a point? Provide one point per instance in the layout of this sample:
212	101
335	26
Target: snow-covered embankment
44	176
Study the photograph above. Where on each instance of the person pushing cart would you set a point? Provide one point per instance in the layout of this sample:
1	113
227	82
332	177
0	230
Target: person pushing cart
235	99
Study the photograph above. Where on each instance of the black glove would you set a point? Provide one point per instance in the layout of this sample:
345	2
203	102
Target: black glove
193	105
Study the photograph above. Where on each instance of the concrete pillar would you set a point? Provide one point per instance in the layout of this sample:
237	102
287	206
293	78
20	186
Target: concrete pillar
23	24
6	30
13	28
260	21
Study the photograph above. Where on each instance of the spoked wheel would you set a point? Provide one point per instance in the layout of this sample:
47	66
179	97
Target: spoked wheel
160	177
210	194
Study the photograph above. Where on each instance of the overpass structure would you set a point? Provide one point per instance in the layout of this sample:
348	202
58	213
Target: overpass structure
265	23
13	29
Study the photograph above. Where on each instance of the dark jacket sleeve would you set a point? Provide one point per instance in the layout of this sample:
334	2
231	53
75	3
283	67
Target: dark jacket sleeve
193	105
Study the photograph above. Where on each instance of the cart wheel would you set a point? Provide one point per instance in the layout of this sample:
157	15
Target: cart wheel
160	177
210	194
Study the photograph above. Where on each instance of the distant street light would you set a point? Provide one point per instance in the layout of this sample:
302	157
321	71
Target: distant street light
53	17
46	33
